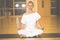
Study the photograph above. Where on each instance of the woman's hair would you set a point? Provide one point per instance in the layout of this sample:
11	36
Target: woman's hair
30	2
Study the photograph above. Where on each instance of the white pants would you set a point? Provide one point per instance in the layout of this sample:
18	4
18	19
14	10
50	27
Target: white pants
30	33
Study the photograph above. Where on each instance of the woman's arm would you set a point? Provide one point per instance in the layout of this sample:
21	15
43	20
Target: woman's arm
19	24
39	26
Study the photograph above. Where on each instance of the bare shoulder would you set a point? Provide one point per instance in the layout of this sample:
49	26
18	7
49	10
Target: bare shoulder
36	12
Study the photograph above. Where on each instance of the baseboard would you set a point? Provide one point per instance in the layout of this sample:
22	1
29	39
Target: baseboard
45	35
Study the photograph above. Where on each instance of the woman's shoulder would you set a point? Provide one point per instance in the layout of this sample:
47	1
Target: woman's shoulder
36	13
25	13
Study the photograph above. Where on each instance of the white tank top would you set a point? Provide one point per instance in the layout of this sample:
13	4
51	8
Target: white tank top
30	20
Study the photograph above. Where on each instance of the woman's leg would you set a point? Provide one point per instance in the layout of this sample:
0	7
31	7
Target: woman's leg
21	33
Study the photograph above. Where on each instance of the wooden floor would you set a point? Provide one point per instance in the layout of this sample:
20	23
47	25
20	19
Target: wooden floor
29	38
51	25
8	25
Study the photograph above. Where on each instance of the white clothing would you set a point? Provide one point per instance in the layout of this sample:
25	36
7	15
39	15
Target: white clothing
30	25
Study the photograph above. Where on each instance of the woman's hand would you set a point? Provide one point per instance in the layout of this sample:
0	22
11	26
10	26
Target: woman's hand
42	28
21	26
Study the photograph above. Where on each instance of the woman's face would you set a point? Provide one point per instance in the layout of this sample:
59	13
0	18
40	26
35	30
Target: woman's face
30	6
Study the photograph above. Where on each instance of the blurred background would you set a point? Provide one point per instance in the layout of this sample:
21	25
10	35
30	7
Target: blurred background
11	12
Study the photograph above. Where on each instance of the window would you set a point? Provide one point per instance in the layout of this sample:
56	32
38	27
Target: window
19	0
9	12
9	3
53	7
12	7
2	7
19	7
53	4
19	11
2	3
53	11
42	3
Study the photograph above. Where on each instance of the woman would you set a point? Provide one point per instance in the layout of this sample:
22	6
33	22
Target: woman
30	22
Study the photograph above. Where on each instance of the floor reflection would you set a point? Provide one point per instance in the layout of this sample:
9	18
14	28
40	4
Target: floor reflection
29	38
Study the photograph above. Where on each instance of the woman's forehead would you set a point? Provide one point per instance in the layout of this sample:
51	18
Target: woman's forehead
30	4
